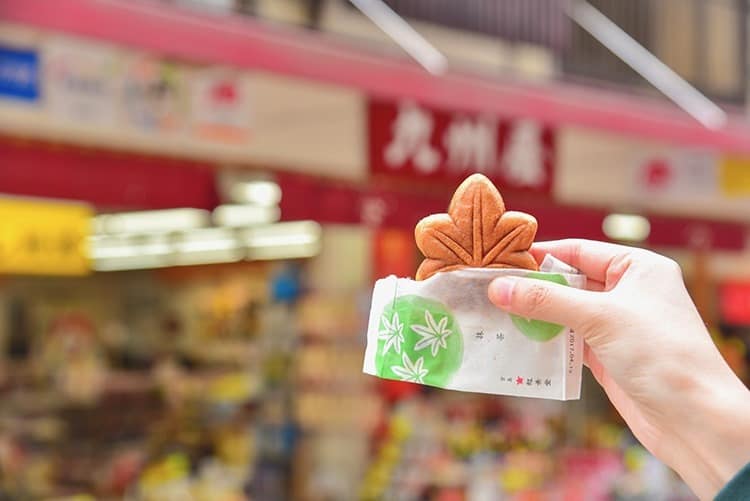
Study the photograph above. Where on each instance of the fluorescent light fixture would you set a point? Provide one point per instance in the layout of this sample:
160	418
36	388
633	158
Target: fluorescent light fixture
404	35
235	216
130	252
205	246
260	192
208	246
137	252
626	227
156	221
647	65
290	240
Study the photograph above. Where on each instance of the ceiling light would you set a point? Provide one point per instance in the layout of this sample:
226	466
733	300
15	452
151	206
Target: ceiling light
235	216
202	246
646	64
156	221
626	227
129	252
207	246
283	240
265	193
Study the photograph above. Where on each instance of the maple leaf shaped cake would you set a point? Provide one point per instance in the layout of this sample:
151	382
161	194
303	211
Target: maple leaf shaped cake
477	232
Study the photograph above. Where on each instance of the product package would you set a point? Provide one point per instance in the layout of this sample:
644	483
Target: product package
444	332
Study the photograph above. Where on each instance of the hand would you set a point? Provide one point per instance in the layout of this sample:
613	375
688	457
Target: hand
647	346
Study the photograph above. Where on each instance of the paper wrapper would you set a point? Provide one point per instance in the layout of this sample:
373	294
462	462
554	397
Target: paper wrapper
444	332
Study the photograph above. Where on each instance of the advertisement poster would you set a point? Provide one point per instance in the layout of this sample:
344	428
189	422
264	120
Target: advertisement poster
220	106
677	174
19	74
154	95
80	81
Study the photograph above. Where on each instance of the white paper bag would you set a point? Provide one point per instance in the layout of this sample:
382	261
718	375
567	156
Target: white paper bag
444	332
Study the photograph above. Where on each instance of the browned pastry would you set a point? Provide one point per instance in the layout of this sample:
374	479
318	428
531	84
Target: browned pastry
476	232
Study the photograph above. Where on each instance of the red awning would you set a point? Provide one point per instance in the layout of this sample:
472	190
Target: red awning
247	43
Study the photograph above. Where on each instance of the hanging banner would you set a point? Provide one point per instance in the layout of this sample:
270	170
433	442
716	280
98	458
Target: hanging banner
413	141
19	74
44	238
80	82
220	106
154	95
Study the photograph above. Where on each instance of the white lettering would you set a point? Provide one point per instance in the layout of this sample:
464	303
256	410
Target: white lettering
523	161
471	144
21	74
412	131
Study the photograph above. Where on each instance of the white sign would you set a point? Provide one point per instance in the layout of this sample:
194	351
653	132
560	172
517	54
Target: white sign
154	94
678	173
220	106
80	81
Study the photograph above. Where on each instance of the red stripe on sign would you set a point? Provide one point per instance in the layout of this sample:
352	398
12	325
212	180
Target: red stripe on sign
106	179
341	203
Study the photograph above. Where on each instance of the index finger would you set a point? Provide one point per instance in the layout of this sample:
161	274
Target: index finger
591	257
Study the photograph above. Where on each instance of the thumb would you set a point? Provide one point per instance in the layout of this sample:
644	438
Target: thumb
542	300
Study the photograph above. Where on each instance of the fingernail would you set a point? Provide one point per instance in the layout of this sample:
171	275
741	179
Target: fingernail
501	290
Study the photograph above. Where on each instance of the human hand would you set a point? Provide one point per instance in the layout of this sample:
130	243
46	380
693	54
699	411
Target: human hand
647	346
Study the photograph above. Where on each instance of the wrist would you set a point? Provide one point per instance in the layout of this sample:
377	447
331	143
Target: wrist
710	439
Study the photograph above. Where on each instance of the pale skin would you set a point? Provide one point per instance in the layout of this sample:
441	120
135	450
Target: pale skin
647	346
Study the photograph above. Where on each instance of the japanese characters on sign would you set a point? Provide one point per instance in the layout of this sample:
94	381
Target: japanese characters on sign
80	84
40	237
154	94
409	139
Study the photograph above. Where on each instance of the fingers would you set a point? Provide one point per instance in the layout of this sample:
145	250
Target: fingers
593	285
592	258
546	301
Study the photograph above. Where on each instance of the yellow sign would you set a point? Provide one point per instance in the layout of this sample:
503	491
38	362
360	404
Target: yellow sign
735	176
44	238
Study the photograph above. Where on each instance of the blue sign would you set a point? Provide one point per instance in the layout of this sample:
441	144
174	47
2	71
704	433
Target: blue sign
19	74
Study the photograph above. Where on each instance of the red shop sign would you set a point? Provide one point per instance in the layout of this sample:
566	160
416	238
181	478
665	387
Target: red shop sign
413	141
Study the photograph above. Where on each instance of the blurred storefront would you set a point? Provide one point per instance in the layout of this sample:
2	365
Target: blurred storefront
212	347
